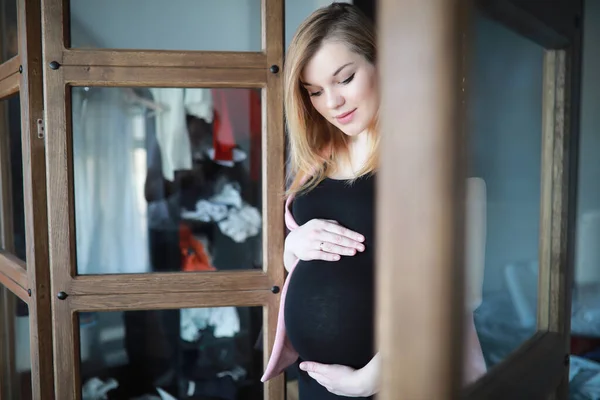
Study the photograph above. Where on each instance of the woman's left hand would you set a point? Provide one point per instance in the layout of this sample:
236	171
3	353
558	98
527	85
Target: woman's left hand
345	381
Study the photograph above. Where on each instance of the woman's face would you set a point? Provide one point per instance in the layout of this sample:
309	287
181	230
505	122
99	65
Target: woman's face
342	86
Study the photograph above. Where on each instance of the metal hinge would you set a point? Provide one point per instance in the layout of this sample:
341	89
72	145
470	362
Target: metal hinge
41	128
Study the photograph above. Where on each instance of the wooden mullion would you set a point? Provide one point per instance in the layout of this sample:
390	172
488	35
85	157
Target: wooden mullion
177	282
14	268
420	263
164	59
9	86
10	67
166	301
546	190
15	287
273	178
59	179
163	77
34	195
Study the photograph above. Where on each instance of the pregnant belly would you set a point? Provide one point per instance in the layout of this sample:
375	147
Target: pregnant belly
329	311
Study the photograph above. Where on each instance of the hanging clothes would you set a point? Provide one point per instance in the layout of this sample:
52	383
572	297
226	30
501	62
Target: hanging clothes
171	126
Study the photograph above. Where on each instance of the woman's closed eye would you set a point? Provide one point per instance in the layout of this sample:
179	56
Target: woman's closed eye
347	81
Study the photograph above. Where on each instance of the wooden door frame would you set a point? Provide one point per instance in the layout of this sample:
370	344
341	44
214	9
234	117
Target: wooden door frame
65	67
540	366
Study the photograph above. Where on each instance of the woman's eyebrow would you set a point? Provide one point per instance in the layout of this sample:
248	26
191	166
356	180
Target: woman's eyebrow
341	68
337	71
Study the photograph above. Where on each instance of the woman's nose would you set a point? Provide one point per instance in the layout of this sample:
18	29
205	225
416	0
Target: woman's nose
334	100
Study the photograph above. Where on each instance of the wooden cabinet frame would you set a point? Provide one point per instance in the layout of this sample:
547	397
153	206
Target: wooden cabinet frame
424	254
538	368
65	67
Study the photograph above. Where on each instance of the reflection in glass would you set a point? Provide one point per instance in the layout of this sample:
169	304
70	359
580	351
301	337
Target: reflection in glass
200	353
218	25
10	136
504	119
9	43
15	352
167	179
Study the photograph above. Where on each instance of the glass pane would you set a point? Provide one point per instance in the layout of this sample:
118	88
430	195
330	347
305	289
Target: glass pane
10	135
585	317
9	43
503	219
167	179
223	25
199	353
15	361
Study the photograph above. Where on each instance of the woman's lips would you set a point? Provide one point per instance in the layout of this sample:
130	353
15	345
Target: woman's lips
346	117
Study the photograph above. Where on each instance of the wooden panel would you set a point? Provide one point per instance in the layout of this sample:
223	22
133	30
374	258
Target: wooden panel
419	266
9	85
144	301
14	268
160	283
273	168
10	67
530	373
163	77
14	287
163	59
34	195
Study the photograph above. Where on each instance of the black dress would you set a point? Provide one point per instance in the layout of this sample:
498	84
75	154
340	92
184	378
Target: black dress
329	307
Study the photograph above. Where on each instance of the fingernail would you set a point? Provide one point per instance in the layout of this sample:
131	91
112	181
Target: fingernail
361	248
303	367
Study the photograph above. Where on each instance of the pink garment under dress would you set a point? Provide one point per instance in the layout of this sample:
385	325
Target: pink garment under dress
284	354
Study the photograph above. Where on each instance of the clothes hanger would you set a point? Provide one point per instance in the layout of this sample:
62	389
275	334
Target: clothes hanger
132	97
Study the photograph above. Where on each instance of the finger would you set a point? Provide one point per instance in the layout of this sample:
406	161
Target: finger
328	247
313	367
334	227
340	241
322	255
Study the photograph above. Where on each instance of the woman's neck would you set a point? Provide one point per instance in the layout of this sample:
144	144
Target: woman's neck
358	155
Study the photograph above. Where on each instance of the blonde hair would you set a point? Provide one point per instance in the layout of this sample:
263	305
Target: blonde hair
314	143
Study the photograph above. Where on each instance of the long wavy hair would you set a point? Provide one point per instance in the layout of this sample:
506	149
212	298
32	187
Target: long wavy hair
315	145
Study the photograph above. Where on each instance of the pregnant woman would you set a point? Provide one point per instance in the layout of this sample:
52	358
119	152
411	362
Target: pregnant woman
326	318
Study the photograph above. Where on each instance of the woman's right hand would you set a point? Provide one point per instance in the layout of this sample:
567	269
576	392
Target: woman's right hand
321	239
